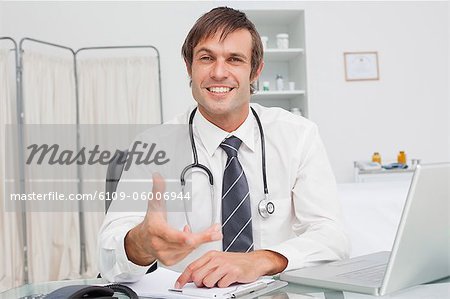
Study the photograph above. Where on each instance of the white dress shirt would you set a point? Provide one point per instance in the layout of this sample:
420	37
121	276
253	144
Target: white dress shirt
307	225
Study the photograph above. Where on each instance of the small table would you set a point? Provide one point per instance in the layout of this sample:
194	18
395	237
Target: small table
369	175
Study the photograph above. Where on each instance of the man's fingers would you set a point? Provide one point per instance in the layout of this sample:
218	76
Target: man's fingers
213	277
157	203
184	240
186	276
172	235
213	233
187	229
183	279
159	185
186	237
214	228
206	270
226	280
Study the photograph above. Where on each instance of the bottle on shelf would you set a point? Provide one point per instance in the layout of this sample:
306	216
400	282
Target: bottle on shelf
283	41
280	84
291	85
376	157
401	157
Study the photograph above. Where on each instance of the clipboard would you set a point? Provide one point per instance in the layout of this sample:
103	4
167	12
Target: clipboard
251	290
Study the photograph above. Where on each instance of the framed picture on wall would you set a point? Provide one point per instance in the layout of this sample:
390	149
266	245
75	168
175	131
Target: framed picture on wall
361	66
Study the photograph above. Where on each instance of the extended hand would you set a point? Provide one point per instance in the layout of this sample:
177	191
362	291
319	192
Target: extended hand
224	268
153	239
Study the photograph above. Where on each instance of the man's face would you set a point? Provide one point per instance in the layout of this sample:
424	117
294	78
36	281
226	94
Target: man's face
220	74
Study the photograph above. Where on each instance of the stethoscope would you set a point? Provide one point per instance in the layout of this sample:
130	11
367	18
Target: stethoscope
265	206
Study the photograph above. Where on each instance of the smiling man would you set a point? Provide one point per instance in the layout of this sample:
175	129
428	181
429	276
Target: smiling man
220	68
224	57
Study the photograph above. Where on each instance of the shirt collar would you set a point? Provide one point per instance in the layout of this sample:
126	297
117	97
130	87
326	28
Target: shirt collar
211	136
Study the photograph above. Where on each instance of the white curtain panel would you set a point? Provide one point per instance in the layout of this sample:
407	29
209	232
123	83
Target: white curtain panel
53	237
119	90
49	89
115	90
11	257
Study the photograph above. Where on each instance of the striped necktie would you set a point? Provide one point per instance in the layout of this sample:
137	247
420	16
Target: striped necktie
236	209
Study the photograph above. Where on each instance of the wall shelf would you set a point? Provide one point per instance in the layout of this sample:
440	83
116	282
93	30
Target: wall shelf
277	95
282	54
289	63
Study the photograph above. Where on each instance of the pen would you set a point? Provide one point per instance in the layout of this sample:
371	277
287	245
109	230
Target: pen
249	289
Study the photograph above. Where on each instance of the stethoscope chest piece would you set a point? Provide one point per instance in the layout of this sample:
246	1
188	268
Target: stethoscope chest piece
266	208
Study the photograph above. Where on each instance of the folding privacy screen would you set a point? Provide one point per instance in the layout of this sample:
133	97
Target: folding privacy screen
58	85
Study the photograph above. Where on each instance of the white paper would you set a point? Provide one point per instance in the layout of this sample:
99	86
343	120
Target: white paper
158	283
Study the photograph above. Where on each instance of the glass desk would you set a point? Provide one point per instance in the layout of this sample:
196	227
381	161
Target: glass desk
45	287
31	291
289	291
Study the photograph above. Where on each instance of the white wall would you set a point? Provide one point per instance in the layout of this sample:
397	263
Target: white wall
407	109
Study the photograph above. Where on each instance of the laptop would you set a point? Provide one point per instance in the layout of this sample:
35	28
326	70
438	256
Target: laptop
421	250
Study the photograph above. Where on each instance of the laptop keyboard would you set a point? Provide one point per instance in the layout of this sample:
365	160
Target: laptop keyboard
373	274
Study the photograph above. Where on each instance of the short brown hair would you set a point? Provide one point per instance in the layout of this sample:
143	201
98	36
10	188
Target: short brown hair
227	20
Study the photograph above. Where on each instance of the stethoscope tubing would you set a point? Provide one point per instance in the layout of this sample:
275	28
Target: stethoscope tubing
265	207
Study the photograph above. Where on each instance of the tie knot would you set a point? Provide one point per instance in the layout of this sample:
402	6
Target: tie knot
231	146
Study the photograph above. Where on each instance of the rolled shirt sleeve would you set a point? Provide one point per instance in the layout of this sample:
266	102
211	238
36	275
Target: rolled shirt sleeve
113	261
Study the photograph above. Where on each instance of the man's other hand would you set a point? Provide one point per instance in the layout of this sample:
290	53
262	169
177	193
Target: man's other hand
222	269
